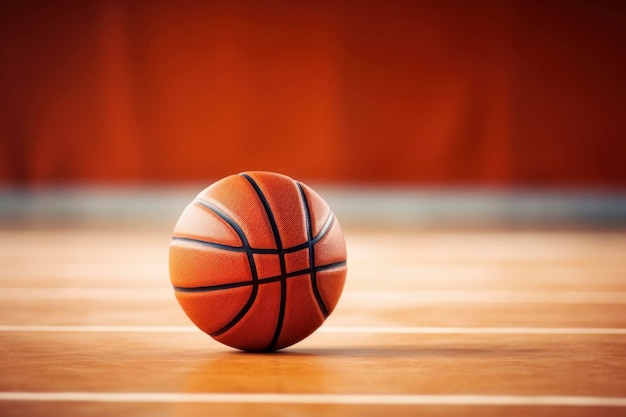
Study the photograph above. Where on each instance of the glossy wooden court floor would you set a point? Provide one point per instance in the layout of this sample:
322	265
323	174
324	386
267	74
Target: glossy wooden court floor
432	322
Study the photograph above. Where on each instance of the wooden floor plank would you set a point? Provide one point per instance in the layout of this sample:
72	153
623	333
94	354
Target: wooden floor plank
324	363
87	409
350	312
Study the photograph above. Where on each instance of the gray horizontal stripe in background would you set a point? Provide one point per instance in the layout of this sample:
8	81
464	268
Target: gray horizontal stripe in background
353	205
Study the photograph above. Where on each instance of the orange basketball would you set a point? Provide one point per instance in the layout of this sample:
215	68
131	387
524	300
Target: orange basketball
258	261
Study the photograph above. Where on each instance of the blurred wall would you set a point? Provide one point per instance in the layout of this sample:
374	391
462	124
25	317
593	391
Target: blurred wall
482	93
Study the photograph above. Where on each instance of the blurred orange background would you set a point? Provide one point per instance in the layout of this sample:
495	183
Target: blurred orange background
441	93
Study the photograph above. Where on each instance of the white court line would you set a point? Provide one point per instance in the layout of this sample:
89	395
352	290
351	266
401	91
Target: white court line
87	294
351	399
471	330
329	329
349	296
469	296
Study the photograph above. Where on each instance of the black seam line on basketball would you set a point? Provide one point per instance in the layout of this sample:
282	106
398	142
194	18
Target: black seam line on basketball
251	263
259	251
281	258
215	245
261	281
311	249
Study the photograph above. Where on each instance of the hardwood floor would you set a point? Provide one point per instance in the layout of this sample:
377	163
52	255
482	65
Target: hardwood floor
432	322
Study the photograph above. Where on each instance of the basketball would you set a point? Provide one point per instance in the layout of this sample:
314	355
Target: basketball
258	261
